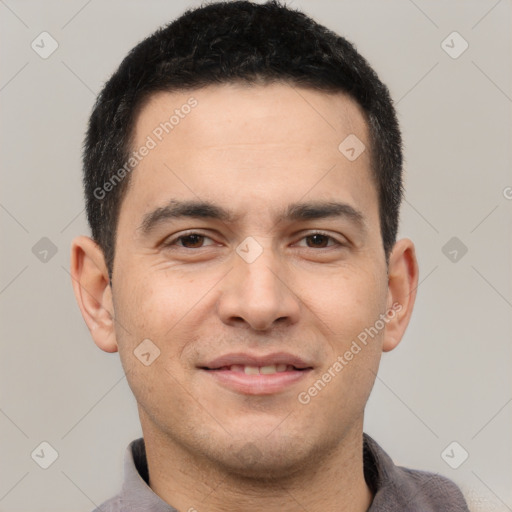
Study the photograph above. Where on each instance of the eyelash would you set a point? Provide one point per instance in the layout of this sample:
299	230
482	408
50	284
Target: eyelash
171	242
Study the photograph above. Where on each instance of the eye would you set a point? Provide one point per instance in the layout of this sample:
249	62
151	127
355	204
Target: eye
320	241
190	241
195	240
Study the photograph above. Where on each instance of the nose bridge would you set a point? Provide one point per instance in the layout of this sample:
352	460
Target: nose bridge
258	271
256	291
262	274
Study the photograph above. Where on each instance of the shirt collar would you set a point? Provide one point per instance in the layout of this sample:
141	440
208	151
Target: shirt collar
392	486
136	493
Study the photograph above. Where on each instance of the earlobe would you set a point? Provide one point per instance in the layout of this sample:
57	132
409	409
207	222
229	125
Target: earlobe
93	292
402	284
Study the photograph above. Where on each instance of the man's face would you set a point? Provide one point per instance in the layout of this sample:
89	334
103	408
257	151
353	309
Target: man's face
273	279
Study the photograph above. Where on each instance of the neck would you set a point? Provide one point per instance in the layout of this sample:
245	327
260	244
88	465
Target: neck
334	483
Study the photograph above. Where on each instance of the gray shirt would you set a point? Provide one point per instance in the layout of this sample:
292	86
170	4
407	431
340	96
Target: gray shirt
394	488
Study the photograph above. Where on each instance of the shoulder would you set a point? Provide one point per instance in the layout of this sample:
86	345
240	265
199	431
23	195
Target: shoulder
400	488
429	491
111	505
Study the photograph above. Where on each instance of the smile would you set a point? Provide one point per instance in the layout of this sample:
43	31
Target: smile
257	375
259	370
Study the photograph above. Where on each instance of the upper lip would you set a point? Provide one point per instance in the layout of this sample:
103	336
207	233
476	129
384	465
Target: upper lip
256	360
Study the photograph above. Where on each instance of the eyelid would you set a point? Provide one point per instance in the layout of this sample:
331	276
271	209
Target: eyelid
323	233
169	241
174	238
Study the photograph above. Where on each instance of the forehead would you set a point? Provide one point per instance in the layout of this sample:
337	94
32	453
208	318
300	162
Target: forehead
237	114
260	145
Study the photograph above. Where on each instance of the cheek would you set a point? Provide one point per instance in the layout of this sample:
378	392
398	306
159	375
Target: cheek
162	306
347	301
151	330
351	305
146	299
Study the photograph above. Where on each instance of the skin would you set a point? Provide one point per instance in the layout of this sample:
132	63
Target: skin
252	151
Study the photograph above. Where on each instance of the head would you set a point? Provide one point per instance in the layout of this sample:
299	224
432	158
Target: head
229	215
233	42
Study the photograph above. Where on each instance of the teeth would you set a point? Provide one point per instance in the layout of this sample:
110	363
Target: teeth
261	370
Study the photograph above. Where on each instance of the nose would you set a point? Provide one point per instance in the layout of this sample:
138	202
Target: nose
259	294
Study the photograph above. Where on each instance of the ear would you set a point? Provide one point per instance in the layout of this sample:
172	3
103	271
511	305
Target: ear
93	293
402	284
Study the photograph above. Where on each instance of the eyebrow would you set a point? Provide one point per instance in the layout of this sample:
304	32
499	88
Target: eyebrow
205	210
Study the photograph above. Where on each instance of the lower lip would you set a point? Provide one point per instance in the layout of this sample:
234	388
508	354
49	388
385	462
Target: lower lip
266	384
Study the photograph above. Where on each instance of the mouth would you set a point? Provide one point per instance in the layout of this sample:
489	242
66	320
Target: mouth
269	369
257	375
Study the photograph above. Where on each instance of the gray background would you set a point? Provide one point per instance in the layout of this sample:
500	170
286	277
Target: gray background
449	380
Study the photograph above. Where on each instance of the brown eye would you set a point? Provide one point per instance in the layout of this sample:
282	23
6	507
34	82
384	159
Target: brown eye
193	241
319	241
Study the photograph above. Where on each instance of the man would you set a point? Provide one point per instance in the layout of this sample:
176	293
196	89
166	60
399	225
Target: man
242	171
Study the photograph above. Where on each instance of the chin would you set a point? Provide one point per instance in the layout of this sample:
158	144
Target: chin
264	469
267	459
